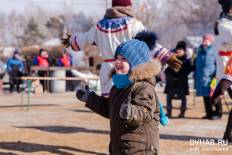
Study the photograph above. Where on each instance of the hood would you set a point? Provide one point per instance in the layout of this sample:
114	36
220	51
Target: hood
146	71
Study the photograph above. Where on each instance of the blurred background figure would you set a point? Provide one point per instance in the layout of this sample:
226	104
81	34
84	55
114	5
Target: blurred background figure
205	71
177	82
65	60
2	73
42	60
15	69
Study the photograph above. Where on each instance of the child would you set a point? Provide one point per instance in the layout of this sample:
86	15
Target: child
177	82
205	71
132	104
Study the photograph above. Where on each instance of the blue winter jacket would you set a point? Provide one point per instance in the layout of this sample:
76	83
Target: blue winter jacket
14	62
205	69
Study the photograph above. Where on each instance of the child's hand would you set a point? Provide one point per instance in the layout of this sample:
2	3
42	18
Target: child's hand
83	94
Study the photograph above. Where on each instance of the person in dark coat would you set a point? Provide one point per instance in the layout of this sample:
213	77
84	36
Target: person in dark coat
132	104
205	71
15	68
177	82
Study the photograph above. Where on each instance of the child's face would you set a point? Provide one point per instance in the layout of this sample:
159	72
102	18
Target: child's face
121	65
180	52
206	42
44	54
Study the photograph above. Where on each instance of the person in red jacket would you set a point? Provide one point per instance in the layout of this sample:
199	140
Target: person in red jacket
42	61
65	60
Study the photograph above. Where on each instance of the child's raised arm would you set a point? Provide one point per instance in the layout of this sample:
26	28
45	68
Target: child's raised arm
98	104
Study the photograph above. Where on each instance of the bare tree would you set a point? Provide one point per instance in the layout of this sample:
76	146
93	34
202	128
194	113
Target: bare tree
32	34
55	26
173	20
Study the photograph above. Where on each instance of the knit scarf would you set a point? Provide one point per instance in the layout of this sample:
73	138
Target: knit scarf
119	11
121	80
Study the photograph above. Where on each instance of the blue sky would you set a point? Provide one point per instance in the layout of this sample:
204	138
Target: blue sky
92	7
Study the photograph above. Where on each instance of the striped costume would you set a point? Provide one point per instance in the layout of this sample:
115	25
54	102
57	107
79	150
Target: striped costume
107	34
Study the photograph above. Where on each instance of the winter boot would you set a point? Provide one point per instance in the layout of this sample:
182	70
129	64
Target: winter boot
228	132
182	113
219	109
11	88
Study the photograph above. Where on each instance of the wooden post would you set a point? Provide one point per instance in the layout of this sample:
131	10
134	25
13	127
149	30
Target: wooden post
1	86
28	93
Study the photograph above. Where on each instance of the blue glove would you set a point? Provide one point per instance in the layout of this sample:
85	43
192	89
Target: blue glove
163	118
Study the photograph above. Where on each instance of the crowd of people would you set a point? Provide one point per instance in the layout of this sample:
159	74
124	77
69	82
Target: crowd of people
17	66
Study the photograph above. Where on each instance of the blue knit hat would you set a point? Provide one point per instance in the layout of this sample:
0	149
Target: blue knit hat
136	52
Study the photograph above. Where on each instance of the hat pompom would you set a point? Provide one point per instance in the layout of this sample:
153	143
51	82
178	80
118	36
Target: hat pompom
148	37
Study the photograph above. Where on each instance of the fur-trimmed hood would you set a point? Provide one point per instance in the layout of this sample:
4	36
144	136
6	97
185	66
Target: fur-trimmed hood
146	71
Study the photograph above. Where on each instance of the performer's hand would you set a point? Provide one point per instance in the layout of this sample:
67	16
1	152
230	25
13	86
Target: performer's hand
65	41
174	63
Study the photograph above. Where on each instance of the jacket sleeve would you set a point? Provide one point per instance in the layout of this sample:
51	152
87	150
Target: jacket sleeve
35	61
8	64
187	68
161	53
71	60
98	104
225	31
59	63
78	41
143	106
